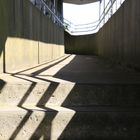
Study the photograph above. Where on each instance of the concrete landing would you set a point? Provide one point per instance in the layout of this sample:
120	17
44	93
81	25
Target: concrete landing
74	97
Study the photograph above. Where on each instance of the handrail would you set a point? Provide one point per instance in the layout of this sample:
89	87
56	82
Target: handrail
78	28
56	16
99	21
87	23
93	26
52	13
106	12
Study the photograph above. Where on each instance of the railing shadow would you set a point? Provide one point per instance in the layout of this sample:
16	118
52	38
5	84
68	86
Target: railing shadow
2	84
93	104
104	98
45	130
42	130
44	127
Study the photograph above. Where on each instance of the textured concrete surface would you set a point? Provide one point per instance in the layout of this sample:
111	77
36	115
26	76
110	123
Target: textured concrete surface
119	38
84	44
75	97
83	125
27	37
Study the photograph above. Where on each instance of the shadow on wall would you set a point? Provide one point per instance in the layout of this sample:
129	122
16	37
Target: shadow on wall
27	37
81	44
118	39
75	109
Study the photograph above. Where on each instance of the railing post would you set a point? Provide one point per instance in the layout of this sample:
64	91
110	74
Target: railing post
116	5
120	2
111	10
54	10
104	11
100	11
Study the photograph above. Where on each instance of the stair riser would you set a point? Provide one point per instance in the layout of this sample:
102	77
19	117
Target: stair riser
69	94
19	125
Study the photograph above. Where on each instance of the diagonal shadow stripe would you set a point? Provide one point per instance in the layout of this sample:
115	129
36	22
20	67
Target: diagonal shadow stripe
2	84
45	124
29	113
47	94
45	68
44	128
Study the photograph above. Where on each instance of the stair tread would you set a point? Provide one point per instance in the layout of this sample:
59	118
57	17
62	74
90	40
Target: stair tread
51	108
75	69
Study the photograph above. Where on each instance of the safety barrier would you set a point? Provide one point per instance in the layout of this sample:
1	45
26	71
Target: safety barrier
49	10
109	9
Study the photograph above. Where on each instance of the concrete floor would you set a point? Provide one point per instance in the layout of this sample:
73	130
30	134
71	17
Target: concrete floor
76	69
74	97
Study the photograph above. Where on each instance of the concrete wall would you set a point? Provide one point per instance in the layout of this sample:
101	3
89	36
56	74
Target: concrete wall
85	44
119	39
27	37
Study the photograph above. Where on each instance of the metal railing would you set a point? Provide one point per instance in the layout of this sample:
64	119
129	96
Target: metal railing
49	10
109	9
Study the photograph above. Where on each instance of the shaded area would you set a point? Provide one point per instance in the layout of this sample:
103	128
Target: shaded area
21	14
104	95
105	98
119	39
82	44
2	84
103	126
103	110
93	69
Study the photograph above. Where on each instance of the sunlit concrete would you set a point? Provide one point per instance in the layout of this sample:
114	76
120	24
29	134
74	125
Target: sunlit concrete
67	72
75	97
25	53
57	126
28	37
44	107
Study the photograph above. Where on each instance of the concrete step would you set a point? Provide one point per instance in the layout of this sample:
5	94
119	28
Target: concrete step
52	123
69	95
66	100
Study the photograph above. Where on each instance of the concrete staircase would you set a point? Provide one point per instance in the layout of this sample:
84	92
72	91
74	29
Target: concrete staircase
74	97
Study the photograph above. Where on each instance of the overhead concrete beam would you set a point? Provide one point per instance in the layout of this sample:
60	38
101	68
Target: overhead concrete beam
79	1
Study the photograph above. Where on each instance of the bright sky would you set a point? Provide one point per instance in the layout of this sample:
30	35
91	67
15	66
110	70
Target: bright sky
79	14
88	13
